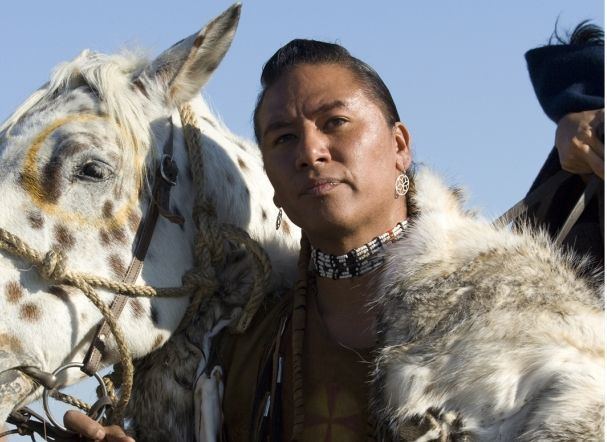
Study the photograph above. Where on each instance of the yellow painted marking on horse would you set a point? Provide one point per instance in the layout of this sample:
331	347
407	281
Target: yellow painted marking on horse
31	181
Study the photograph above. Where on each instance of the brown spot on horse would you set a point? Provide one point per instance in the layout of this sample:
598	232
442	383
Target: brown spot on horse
137	308
71	148
51	180
118	234
104	237
108	209
242	164
64	240
14	291
115	234
133	220
35	219
29	312
116	265
10	343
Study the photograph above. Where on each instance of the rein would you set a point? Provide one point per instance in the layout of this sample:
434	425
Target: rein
543	195
200	282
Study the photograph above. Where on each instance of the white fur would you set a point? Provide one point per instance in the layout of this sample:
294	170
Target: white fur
495	327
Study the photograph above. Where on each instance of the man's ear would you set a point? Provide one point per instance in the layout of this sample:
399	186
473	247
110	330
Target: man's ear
402	143
181	71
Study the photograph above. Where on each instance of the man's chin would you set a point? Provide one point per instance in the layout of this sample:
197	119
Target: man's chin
322	225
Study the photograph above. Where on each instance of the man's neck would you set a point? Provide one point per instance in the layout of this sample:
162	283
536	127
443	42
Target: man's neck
341	241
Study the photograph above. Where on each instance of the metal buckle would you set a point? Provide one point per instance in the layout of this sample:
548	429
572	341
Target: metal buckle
46	392
47	380
168	169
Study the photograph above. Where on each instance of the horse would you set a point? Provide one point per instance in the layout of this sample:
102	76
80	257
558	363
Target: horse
79	161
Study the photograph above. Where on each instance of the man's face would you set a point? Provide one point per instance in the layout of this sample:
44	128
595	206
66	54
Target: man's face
330	154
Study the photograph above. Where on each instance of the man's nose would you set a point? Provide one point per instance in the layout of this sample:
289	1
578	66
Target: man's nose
312	149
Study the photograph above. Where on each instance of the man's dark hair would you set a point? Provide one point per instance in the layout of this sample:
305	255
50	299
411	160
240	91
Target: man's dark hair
300	51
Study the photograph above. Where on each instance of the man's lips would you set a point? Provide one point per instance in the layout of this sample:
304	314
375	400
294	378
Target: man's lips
320	186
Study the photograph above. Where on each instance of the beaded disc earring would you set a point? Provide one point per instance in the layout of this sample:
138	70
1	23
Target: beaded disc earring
401	187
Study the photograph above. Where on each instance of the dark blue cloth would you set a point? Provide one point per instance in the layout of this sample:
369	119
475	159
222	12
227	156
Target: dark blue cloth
567	78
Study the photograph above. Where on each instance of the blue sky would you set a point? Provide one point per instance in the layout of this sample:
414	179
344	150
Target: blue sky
456	69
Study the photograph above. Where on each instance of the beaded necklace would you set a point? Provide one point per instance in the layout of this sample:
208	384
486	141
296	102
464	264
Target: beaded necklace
358	261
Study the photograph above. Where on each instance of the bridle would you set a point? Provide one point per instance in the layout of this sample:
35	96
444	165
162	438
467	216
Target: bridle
199	283
165	179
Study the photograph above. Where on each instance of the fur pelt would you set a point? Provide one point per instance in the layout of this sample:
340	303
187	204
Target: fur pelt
486	333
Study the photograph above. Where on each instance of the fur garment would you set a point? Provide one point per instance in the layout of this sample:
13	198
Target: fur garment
486	333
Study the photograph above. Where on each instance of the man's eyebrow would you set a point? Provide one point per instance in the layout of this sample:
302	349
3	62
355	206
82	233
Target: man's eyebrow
280	124
330	106
276	125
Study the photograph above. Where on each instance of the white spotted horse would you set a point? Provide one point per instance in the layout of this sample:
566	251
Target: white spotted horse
81	160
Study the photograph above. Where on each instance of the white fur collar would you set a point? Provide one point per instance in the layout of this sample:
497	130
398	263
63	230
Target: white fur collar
476	320
444	231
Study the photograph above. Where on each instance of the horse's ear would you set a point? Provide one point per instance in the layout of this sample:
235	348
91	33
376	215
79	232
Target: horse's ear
182	70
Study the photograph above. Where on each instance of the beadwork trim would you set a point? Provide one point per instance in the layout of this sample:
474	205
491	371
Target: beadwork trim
358	261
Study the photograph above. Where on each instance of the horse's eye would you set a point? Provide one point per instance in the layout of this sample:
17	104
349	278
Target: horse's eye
94	170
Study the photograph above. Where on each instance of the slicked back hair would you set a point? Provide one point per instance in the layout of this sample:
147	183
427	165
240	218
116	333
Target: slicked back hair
301	51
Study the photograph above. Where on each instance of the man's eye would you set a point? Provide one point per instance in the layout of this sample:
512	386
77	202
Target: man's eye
284	138
335	122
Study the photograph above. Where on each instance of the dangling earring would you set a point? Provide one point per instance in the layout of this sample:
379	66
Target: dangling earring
401	187
279	218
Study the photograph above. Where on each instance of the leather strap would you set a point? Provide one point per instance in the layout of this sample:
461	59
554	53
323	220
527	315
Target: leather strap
164	180
591	188
544	194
